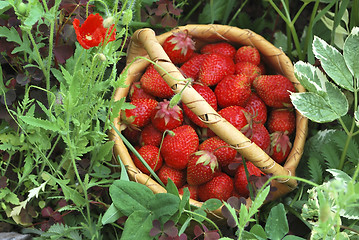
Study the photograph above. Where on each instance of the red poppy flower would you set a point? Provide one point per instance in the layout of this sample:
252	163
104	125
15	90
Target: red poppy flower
92	32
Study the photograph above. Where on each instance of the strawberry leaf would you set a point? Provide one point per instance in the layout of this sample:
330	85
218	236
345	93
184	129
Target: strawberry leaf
351	52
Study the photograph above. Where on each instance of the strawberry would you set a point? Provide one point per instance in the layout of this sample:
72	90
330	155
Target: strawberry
249	69
214	68
233	90
141	114
256	108
201	168
281	120
247	54
179	47
154	84
210	98
136	92
260	136
240	179
165	117
280	146
177	176
131	133
223	48
220	187
190	69
223	152
177	149
151	155
193	190
234	115
150	136
274	90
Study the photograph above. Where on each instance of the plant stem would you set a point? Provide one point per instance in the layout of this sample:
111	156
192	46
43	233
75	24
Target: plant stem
206	219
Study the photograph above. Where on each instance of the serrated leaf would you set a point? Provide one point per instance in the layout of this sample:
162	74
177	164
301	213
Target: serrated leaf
351	52
336	99
330	155
258	201
37	122
311	78
35	13
277	225
11	34
314	107
333	63
315	170
340	175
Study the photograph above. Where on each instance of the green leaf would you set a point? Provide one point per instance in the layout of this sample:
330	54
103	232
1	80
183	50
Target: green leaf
124	174
138	226
4	6
171	187
111	215
330	154
35	13
258	231
314	107
310	77
37	122
258	201
356	117
70	193
333	63
212	204
184	204
351	52
130	196
336	99
11	35
292	237
164	205
277	225
315	170
340	175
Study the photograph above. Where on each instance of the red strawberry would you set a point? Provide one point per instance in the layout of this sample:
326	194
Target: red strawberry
220	149
201	167
177	149
210	98
150	136
131	133
233	90
150	154
247	54
234	115
190	69
214	68
249	69
141	114
177	176
260	136
193	190
281	120
137	92
280	146
220	187
179	47
240	179
274	90
153	83
256	108
165	117
223	48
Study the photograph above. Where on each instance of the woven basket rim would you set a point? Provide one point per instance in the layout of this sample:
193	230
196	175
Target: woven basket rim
213	32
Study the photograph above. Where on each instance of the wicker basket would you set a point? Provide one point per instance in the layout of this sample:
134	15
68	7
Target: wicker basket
145	43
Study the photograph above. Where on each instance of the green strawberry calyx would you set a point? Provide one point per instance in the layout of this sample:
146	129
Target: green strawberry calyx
167	112
207	158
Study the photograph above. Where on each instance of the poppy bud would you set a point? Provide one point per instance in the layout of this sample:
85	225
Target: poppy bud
101	56
127	17
108	22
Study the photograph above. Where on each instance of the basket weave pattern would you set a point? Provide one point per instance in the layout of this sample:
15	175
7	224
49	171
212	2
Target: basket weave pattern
145	43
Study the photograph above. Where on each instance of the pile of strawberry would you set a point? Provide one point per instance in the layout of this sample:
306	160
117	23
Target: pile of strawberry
234	82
